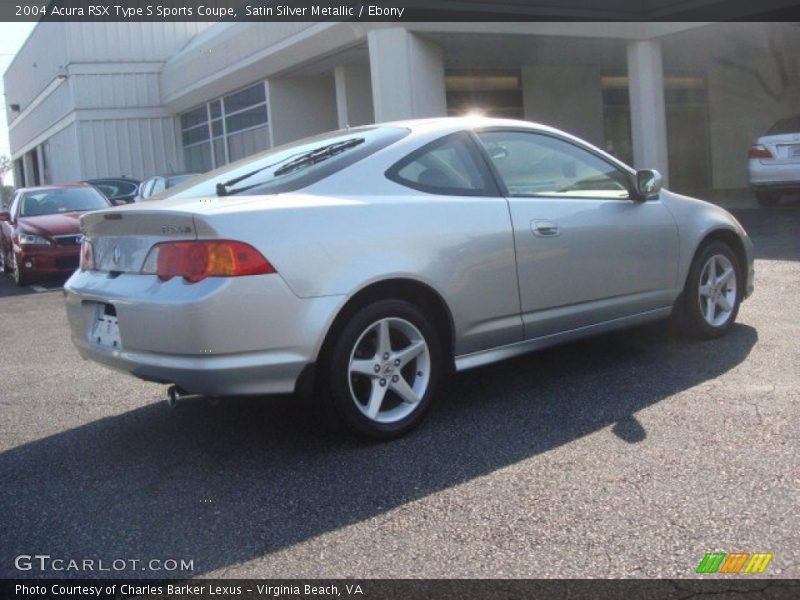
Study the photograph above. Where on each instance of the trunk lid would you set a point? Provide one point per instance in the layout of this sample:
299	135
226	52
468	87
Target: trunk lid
785	148
122	236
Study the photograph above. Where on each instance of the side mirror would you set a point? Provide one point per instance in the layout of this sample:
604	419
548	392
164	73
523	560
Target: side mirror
118	201
5	215
648	184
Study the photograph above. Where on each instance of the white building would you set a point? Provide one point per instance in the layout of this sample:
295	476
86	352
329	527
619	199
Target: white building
105	99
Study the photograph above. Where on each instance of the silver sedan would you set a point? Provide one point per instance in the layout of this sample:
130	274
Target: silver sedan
362	265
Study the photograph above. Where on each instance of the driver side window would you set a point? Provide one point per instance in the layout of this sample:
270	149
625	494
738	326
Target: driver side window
532	164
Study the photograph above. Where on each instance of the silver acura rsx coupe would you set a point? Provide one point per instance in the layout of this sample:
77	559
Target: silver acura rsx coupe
361	265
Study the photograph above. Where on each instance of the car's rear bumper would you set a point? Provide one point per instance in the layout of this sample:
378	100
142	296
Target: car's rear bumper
221	336
773	176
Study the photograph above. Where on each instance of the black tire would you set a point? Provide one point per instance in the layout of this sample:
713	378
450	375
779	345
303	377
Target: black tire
768	198
693	322
339	386
20	278
4	266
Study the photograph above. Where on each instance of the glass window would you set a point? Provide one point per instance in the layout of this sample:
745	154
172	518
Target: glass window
246	119
533	164
230	117
194	135
244	98
194	117
248	142
198	158
114	188
449	166
296	165
174	180
219	152
159	185
64	200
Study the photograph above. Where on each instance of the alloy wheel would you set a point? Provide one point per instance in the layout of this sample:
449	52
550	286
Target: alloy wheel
717	290
389	370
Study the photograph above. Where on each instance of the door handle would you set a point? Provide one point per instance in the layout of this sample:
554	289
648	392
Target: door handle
544	228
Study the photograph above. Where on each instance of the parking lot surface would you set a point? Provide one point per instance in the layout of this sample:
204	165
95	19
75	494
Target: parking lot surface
627	455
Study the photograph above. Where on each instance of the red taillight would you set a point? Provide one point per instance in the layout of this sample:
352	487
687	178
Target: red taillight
194	261
87	256
758	151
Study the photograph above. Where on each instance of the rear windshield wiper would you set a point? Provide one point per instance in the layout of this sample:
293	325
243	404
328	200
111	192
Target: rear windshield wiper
317	155
298	161
222	188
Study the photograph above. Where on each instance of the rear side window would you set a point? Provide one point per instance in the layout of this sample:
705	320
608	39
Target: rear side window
788	125
450	166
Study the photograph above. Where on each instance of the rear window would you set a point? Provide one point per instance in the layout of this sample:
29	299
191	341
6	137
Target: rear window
52	202
787	125
292	166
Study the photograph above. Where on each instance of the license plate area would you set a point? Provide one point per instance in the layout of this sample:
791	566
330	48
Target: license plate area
105	327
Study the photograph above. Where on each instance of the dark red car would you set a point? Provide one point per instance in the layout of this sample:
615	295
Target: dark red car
40	234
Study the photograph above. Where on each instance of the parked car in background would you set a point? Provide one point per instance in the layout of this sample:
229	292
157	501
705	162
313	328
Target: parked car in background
155	185
774	162
117	189
40	233
373	260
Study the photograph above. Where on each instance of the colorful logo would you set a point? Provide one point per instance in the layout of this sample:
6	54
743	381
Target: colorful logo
719	562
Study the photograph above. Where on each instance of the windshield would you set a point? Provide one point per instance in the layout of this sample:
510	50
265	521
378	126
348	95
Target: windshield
55	201
292	166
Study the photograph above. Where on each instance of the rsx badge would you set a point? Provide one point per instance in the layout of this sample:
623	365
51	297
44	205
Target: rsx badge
176	229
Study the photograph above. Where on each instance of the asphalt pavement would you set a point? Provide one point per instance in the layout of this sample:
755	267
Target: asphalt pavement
626	455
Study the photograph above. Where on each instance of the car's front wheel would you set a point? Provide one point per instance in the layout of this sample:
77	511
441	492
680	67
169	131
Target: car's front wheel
4	266
20	278
713	291
384	369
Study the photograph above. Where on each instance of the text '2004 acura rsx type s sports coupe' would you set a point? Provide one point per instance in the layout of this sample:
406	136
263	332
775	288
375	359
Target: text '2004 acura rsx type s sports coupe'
370	261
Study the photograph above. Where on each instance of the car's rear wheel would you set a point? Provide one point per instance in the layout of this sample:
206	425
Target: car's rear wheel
384	369
713	291
767	198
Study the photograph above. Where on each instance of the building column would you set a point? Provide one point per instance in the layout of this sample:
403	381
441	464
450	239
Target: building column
648	110
353	95
27	166
407	75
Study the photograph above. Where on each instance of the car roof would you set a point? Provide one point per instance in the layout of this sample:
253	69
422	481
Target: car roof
120	178
64	186
466	122
174	174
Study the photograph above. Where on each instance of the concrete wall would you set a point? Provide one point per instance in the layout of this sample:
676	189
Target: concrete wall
300	106
407	74
570	98
353	95
62	155
135	147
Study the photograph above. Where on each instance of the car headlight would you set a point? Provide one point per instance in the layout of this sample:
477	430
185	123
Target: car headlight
38	240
